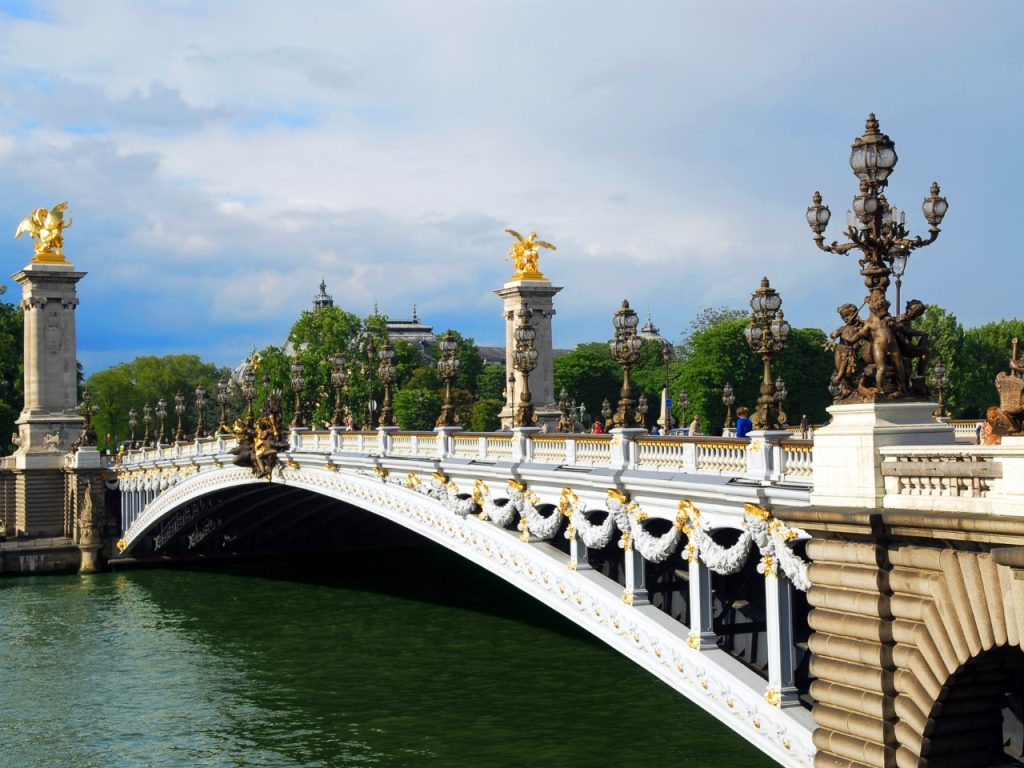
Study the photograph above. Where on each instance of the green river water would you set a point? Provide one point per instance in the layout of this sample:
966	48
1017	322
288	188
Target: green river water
322	662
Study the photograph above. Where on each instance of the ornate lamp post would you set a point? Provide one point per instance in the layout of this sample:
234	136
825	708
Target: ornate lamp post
524	360
179	410
339	380
940	380
201	403
371	357
249	389
387	376
641	411
666	356
298	384
878	230
728	400
133	422
606	412
161	414
625	348
222	401
147	419
448	367
780	396
88	410
684	404
565	408
766	335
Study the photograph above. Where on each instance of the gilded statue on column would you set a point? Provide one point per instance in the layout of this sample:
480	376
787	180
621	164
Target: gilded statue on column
524	255
47	227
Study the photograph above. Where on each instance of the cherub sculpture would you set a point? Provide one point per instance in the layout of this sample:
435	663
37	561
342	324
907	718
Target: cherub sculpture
46	227
524	253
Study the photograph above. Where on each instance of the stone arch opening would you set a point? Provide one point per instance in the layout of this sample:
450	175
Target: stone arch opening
978	717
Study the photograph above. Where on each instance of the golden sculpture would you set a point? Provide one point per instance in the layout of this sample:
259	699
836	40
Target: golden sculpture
47	227
524	255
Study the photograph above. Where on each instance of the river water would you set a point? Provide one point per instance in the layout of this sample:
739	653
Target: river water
325	662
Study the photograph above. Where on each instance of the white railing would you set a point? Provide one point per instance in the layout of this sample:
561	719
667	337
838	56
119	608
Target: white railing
791	459
960	478
966	430
551	449
725	455
660	452
797	458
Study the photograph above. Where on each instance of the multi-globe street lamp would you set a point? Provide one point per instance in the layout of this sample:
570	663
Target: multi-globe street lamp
249	389
298	382
161	414
625	349
147	419
780	396
179	410
387	375
728	400
524	360
448	368
222	401
766	335
606	412
565	409
940	380
666	356
133	422
370	349
684	405
878	230
339	380
201	402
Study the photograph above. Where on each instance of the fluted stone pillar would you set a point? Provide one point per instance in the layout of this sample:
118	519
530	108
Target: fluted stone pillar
49	422
535	295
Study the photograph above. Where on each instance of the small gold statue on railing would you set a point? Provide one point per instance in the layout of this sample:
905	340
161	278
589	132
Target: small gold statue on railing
524	255
47	227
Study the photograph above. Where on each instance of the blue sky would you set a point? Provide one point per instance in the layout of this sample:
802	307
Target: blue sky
219	158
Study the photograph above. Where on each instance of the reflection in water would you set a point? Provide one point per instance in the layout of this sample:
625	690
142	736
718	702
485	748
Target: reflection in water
340	661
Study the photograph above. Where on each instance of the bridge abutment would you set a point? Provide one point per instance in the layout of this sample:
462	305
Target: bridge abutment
916	643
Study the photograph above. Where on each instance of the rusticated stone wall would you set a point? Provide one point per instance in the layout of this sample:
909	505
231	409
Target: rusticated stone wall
917	623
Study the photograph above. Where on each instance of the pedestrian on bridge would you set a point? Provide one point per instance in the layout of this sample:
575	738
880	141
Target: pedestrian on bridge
743	422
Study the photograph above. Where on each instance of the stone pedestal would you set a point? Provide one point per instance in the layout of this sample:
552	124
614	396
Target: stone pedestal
535	295
847	465
49	422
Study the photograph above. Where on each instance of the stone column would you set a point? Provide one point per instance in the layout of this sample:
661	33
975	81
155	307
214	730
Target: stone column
782	689
702	628
49	422
535	295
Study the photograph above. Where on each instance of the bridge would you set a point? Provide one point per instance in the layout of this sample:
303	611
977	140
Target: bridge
823	635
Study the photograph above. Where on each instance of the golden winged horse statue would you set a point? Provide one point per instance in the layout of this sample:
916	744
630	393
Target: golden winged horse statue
47	227
524	255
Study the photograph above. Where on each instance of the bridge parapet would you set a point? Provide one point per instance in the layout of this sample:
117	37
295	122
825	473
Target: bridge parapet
954	478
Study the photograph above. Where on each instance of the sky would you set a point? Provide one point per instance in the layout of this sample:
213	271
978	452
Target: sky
220	158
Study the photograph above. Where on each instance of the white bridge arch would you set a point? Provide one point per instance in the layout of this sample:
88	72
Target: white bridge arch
430	495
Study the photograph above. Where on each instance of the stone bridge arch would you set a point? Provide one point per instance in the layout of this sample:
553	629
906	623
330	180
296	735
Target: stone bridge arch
709	677
918	622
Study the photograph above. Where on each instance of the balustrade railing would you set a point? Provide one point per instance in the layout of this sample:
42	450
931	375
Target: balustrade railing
797	458
724	455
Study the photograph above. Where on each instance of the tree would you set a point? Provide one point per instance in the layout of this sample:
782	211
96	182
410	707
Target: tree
720	354
485	414
417	409
986	352
708	317
946	337
12	372
590	375
491	383
146	379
